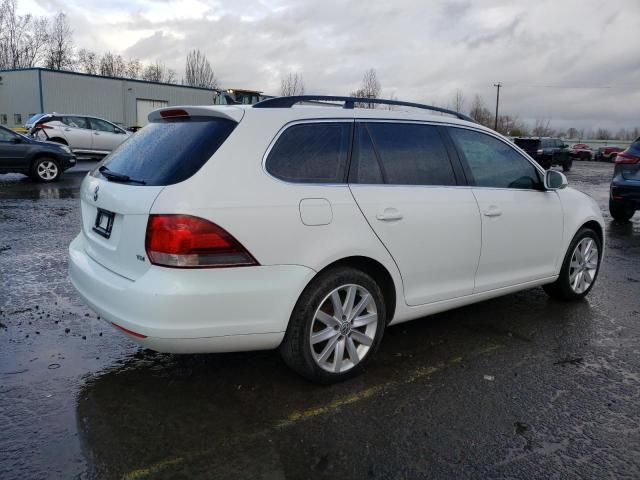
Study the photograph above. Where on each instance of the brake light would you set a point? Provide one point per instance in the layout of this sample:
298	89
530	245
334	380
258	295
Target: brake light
183	241
174	113
627	158
44	126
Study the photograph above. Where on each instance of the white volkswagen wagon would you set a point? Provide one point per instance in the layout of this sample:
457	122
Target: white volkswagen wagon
312	228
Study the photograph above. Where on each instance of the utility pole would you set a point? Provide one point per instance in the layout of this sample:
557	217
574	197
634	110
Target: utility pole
498	86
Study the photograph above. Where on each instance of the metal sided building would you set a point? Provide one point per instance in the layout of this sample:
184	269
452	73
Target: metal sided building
25	92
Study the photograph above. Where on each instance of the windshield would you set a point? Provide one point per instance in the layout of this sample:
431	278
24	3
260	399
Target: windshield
168	151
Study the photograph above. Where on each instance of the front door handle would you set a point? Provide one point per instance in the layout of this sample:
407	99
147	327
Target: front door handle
389	215
96	133
492	211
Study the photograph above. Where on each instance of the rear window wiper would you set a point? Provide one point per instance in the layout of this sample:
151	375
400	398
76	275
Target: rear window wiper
118	177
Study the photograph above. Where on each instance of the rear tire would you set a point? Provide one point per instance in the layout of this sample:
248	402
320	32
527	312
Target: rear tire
620	212
336	326
46	170
580	267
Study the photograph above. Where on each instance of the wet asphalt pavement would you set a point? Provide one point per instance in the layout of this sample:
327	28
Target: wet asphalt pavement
517	387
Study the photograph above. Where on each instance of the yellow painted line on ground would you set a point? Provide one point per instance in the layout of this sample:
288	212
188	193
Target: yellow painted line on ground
302	415
156	467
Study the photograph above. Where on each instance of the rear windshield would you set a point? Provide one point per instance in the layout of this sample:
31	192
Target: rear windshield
634	149
168	151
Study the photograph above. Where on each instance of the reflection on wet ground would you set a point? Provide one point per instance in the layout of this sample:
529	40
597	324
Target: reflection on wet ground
520	386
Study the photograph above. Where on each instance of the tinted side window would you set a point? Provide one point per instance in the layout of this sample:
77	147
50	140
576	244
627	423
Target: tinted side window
311	153
6	135
75	122
103	126
411	154
493	163
364	162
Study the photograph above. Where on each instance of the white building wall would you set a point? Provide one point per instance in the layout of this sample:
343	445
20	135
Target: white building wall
19	95
65	92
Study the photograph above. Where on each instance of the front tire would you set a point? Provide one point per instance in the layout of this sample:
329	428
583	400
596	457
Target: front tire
46	170
620	211
580	267
336	326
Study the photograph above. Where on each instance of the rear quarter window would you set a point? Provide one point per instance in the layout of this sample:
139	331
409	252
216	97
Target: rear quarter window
313	152
169	151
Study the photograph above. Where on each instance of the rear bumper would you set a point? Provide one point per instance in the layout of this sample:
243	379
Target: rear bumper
193	311
625	191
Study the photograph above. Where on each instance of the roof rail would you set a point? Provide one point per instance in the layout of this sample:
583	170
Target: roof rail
349	102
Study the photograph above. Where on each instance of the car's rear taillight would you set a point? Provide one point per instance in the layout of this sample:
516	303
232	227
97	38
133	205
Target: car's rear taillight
44	126
624	157
183	241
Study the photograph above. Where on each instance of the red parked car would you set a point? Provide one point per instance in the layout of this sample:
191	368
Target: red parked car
581	151
608	154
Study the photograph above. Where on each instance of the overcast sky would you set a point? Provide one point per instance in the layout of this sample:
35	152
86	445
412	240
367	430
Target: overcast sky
576	62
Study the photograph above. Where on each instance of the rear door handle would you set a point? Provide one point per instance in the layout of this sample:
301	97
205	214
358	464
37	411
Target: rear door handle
389	215
492	211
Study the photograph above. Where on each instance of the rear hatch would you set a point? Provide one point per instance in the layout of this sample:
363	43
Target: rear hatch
117	196
631	171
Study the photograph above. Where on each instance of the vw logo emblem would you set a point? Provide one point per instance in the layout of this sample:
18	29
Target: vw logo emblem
95	193
345	328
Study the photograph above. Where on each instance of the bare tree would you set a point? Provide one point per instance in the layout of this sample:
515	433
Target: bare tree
291	85
59	54
458	100
22	37
572	133
87	61
370	88
542	128
158	72
112	65
603	134
133	68
480	113
198	71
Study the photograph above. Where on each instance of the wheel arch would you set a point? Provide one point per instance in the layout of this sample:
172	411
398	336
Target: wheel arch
42	154
377	271
596	227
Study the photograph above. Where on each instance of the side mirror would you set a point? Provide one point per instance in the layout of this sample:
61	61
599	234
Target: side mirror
554	180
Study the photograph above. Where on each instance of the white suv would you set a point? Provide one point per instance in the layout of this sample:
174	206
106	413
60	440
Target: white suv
85	136
312	228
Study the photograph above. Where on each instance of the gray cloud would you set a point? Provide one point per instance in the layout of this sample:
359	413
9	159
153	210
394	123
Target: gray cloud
423	51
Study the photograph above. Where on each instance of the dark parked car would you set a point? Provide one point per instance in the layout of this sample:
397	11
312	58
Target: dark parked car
624	195
547	151
42	161
607	154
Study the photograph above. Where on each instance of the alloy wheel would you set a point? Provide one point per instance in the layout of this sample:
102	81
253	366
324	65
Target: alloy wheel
47	170
584	265
343	328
